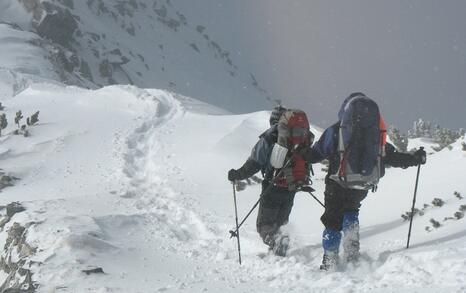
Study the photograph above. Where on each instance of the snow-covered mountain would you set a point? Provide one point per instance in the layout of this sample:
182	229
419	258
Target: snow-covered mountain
146	43
124	189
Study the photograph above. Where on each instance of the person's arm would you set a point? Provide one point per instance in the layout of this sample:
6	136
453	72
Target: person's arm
398	159
324	147
256	161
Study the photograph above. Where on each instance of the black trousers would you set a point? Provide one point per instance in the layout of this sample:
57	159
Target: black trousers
274	211
339	200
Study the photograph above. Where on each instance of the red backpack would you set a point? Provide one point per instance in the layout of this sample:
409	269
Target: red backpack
293	134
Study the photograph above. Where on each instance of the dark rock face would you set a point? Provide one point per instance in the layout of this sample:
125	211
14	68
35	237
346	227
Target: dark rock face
16	254
94	271
6	180
58	25
14	208
19	279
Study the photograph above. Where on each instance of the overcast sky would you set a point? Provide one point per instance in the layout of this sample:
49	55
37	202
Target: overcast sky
410	56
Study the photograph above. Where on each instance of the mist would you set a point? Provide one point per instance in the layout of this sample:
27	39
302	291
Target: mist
410	56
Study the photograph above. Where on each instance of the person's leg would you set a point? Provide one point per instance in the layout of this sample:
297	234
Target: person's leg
350	225
286	205
332	220
351	236
269	210
282	240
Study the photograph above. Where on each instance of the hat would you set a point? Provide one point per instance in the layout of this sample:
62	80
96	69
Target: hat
276	114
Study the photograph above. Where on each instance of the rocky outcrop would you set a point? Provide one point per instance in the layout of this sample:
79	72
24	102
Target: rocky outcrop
94	43
6	180
15	258
58	24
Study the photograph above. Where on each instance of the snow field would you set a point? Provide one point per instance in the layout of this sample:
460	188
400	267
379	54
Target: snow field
134	181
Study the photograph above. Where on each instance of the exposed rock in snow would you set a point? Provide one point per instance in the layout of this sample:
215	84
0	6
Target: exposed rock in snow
146	43
15	259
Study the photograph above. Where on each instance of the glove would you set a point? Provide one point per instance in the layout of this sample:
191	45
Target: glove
305	152
420	156
233	175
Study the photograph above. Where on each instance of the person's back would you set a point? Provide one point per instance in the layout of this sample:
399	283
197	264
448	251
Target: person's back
343	199
282	177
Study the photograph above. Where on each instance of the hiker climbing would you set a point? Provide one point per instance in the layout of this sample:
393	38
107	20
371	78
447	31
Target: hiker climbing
357	151
284	171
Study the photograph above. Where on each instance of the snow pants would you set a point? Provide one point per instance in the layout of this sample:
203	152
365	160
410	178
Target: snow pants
274	211
338	202
341	213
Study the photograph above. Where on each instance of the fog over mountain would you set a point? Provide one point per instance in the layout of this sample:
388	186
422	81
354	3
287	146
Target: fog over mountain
409	55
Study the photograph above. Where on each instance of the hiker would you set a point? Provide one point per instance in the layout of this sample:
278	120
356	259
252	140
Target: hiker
288	129
357	151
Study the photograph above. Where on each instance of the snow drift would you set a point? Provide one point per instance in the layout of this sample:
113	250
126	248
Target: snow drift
132	181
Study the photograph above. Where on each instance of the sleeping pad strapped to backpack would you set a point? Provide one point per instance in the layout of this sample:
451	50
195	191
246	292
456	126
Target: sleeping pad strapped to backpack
361	144
293	134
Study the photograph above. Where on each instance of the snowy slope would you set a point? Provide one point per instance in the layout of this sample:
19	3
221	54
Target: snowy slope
22	60
133	181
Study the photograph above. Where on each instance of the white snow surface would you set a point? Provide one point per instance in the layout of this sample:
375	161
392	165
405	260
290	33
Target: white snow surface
134	181
23	60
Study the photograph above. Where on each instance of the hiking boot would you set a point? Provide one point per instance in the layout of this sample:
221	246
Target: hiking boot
281	245
330	261
351	253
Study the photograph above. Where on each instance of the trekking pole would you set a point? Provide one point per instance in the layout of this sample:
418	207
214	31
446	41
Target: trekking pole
265	192
236	219
309	190
414	203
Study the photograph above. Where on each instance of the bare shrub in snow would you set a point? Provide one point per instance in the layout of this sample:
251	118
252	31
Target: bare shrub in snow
438	202
458	195
435	223
22	131
407	215
33	119
420	128
399	139
3	122
443	136
459	215
18	117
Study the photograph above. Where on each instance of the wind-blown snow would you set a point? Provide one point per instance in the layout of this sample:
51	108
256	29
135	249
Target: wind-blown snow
22	60
134	181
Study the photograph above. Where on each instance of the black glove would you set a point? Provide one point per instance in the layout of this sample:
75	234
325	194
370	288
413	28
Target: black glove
420	156
233	175
305	152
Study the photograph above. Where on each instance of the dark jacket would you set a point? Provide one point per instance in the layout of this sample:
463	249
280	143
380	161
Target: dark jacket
259	160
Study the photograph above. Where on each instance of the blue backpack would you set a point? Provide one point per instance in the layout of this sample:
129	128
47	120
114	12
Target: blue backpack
361	143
